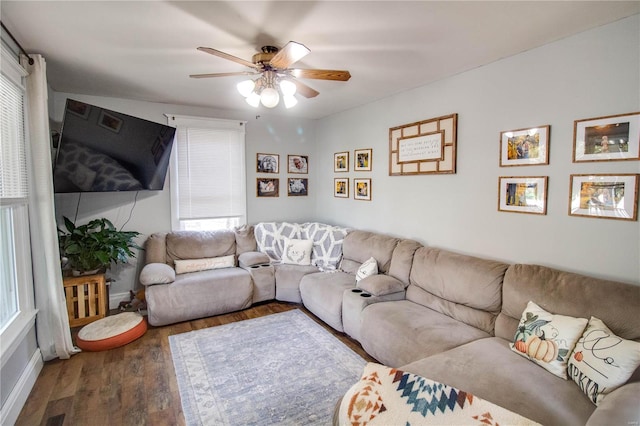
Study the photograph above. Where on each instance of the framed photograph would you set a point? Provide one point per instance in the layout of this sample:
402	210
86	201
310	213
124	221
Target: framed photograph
607	196
297	187
341	161
341	187
522	194
524	147
268	163
268	187
298	164
611	138
78	108
109	122
362	189
362	160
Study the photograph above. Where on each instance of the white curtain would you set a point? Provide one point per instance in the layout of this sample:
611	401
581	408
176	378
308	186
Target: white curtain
52	322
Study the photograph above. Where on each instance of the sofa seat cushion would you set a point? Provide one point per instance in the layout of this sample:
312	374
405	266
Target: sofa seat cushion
288	281
322	294
399	332
489	369
199	294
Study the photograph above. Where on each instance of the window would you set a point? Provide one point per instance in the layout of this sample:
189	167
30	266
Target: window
16	284
208	184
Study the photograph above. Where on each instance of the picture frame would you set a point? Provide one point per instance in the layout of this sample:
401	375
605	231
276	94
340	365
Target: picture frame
525	147
298	164
425	147
362	159
297	187
341	187
523	194
268	187
610	138
79	109
109	122
341	161
362	189
604	196
267	163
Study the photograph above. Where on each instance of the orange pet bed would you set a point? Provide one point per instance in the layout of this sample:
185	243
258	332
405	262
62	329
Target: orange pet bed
111	332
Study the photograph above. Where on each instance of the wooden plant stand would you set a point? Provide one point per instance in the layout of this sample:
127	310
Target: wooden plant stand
86	298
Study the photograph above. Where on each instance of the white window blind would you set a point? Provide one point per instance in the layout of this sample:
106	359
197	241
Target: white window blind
208	172
13	161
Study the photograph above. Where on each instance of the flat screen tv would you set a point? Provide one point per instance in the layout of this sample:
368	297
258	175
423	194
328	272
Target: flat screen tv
103	151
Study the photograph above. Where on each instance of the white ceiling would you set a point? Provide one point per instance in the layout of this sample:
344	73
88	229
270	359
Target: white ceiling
145	50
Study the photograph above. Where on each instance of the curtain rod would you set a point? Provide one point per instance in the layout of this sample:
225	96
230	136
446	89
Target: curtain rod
17	44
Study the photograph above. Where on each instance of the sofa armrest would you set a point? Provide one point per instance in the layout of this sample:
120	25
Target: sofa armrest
157	273
380	285
252	258
620	407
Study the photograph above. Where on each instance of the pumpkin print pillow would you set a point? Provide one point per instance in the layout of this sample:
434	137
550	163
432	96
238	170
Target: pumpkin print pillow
547	339
601	361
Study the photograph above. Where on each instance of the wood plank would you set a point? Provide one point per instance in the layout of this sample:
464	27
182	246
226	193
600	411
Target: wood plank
134	384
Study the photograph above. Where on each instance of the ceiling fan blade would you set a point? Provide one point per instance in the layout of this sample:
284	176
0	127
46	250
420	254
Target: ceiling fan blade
305	90
292	52
223	74
223	55
322	74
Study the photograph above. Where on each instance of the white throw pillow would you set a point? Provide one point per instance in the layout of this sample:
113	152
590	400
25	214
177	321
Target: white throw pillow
195	265
601	361
547	339
369	267
297	252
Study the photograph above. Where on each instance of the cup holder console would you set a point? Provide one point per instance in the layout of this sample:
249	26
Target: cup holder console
260	266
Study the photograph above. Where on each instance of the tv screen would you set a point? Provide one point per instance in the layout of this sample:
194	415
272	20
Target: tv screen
102	151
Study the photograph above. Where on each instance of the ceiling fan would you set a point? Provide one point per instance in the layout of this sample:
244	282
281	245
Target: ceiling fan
272	66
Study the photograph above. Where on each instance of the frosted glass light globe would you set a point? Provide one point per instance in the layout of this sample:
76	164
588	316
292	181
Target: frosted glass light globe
246	87
289	101
288	88
253	99
270	97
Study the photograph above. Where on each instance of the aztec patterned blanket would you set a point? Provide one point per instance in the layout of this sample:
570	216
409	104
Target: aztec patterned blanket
387	396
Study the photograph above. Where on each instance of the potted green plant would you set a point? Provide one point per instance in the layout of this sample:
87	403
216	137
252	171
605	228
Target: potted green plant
91	248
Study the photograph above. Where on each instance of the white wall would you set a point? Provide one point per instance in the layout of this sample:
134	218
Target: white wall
268	133
592	74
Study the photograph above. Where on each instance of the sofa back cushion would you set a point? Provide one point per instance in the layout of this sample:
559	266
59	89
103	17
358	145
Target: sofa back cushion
155	248
402	259
199	245
465	288
245	239
359	246
565	293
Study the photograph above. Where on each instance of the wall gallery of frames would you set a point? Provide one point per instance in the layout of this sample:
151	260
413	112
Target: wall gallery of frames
297	186
429	147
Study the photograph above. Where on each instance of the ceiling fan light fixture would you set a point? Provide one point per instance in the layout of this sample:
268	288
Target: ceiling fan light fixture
288	88
246	87
269	97
253	99
289	101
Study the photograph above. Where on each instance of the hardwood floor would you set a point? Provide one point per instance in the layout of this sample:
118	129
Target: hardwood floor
131	385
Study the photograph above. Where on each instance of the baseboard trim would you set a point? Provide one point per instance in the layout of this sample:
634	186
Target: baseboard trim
116	298
18	396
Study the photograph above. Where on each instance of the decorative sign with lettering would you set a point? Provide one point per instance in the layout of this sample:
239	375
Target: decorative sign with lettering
416	148
424	147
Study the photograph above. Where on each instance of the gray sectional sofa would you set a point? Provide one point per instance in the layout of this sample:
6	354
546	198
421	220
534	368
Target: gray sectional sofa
442	315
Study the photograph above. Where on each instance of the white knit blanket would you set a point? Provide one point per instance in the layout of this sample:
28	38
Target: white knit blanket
387	396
